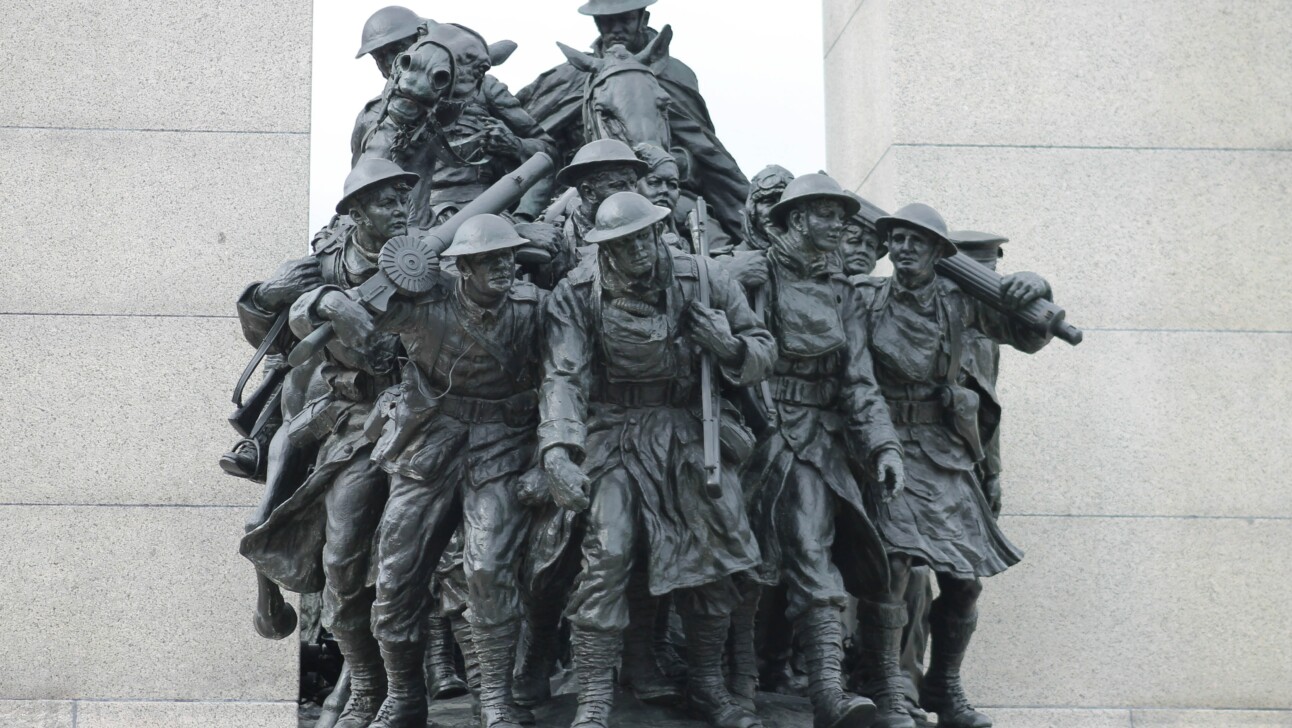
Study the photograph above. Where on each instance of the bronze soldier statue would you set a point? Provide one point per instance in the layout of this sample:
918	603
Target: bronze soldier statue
460	436
320	537
387	33
599	170
830	422
765	191
919	326
623	343
556	99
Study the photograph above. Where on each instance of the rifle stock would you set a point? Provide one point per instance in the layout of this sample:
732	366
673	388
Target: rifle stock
710	406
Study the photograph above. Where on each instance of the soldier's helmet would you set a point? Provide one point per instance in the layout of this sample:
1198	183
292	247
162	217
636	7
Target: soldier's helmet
386	26
770	182
921	217
982	247
598	155
368	173
614	7
483	234
623	214
816	186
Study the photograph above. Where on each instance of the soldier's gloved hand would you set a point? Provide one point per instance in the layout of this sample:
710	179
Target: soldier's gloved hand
534	491
890	473
711	331
747	267
292	279
1019	289
566	481
991	489
543	235
499	139
352	322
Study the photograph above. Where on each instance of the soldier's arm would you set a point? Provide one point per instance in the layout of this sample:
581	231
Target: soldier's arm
507	109
255	321
760	347
1004	329
566	352
870	428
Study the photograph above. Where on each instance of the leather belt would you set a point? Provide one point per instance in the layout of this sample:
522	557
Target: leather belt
793	390
514	410
916	412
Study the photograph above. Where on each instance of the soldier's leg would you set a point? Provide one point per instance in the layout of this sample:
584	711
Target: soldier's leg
419	520
354	502
442	678
882	618
706	618
545	596
494	526
741	644
598	610
275	618
817	597
952	620
640	669
915	636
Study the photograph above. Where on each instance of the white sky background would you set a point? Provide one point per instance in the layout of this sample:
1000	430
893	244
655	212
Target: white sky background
759	63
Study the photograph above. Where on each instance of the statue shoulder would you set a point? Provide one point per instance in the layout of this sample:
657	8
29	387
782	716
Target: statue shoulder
687	265
331	237
525	291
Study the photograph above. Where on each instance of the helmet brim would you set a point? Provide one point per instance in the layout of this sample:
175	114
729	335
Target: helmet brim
411	178
614	8
884	226
781	209
597	236
571	174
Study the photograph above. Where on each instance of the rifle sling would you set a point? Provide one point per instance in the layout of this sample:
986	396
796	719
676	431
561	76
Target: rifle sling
259	356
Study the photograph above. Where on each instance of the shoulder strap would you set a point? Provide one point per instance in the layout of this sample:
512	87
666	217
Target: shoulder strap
268	341
955	346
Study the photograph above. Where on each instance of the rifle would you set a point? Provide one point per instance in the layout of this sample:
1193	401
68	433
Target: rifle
983	284
710	405
407	263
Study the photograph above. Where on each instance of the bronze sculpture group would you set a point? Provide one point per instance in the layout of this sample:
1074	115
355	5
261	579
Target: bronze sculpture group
536	416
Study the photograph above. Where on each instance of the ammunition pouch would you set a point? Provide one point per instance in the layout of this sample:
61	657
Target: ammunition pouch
961	406
735	441
315	420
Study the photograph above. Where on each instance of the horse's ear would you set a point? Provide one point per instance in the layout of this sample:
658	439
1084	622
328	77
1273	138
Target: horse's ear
658	47
585	62
499	52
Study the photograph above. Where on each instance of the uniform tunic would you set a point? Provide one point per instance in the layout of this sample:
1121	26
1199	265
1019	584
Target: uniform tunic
942	518
460	435
831	421
621	392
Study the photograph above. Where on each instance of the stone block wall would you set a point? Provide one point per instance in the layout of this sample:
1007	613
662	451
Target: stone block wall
155	158
1140	156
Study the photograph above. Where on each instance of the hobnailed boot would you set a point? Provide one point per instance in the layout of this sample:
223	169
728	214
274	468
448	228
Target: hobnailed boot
666	655
595	655
820	637
881	644
442	679
707	696
405	704
533	685
942	692
640	671
367	678
742	679
495	648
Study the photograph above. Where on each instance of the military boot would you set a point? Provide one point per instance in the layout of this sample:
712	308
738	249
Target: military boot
405	704
742	679
465	637
367	678
707	696
442	679
495	648
640	670
595	655
942	691
533	684
879	674
820	636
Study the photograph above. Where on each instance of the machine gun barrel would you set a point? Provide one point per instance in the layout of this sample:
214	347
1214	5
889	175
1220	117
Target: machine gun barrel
410	263
983	284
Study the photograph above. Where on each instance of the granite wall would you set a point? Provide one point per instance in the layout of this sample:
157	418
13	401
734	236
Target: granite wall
1140	156
154	156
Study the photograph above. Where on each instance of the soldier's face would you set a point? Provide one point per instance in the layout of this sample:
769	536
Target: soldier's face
624	29
913	252
488	275
763	213
604	184
383	214
662	185
634	254
859	246
385	55
821	223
